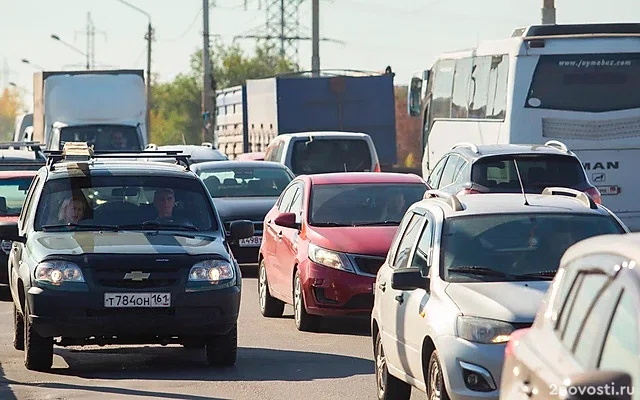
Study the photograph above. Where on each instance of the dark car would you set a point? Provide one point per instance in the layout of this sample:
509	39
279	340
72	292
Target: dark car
121	252
468	168
197	154
13	190
244	190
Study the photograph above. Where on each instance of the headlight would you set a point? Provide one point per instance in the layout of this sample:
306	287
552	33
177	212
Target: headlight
213	271
58	271
328	258
482	330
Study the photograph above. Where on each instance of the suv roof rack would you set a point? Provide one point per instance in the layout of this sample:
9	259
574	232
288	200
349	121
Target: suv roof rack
80	151
451	199
578	195
558	145
151	146
472	146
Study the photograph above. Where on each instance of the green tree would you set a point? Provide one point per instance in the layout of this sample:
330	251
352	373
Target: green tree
176	115
10	106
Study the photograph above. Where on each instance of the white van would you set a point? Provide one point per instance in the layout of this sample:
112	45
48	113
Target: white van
307	153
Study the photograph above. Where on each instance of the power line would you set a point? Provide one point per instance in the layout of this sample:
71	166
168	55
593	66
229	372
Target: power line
192	24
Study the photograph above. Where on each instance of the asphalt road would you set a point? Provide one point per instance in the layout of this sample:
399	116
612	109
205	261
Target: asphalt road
275	361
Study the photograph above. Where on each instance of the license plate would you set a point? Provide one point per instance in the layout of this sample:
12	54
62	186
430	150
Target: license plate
254	241
609	190
127	300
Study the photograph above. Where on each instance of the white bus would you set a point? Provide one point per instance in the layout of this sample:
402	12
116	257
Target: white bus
579	84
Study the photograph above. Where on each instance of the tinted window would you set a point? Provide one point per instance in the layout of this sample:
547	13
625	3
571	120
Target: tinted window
594	327
407	241
296	204
319	156
126	201
434	177
451	168
577	311
516	244
362	203
479	84
498	79
537	172
286	198
621	350
442	89
423	250
102	137
586	82
460	96
13	192
245	181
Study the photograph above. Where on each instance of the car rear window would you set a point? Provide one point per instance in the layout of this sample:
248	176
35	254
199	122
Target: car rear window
538	172
515	244
319	156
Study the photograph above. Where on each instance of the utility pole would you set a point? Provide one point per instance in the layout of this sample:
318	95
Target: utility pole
315	37
90	34
548	12
208	114
149	37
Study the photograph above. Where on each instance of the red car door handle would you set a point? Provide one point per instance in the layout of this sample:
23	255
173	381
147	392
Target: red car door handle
280	235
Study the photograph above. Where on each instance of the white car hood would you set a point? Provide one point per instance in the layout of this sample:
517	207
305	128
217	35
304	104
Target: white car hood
516	302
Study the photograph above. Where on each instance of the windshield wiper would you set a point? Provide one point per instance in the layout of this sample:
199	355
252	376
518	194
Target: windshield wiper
84	226
473	269
329	224
540	274
388	222
159	225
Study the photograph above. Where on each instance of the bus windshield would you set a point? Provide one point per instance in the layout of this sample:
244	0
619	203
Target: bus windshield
586	82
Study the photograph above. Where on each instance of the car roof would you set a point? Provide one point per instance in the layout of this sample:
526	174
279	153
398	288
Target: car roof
197	152
227	164
627	246
106	167
512	203
332	134
363	177
18	174
486	150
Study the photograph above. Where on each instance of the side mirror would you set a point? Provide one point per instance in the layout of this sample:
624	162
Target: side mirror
601	385
9	232
287	220
241	229
409	279
414	101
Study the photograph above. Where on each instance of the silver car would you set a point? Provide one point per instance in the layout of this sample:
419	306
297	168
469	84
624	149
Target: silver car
585	340
461	277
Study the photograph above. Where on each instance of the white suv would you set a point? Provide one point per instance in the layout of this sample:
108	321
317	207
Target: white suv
459	278
309	153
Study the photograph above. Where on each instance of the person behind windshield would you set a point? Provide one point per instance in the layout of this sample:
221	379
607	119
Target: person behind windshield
118	141
395	207
73	209
164	201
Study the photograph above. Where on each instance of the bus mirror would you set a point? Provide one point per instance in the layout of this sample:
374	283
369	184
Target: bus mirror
415	93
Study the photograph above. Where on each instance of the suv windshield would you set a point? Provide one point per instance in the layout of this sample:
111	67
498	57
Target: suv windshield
102	137
12	194
538	172
125	202
362	203
246	182
320	156
586	82
514	246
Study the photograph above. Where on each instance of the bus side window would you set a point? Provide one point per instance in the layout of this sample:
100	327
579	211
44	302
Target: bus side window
498	77
460	98
442	90
478	87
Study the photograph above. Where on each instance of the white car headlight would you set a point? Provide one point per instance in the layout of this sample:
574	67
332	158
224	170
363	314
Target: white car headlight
329	258
58	272
213	271
483	330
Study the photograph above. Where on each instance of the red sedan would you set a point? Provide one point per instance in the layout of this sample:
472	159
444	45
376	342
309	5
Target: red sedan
325	239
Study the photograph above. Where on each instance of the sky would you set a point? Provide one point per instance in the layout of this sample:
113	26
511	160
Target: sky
365	34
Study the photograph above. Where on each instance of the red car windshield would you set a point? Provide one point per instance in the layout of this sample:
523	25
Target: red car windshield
12	194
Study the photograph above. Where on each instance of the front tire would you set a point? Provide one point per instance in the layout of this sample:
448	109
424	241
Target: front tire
436	389
388	386
304	322
18	329
269	306
38	350
222	350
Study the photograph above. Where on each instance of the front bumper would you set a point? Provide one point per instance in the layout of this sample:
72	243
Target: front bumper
331	292
245	255
81	315
485	359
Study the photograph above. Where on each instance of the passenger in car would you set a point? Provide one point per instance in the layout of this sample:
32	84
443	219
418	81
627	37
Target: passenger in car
73	209
164	201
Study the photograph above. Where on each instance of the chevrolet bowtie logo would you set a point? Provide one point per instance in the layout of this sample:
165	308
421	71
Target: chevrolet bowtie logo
137	275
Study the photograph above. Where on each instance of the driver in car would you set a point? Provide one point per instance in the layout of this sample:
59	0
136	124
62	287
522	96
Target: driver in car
164	201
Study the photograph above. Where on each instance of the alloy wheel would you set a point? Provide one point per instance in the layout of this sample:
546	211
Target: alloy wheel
262	288
381	366
297	300
435	381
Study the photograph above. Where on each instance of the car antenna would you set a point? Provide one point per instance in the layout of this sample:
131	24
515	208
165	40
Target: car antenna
345	167
526	203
